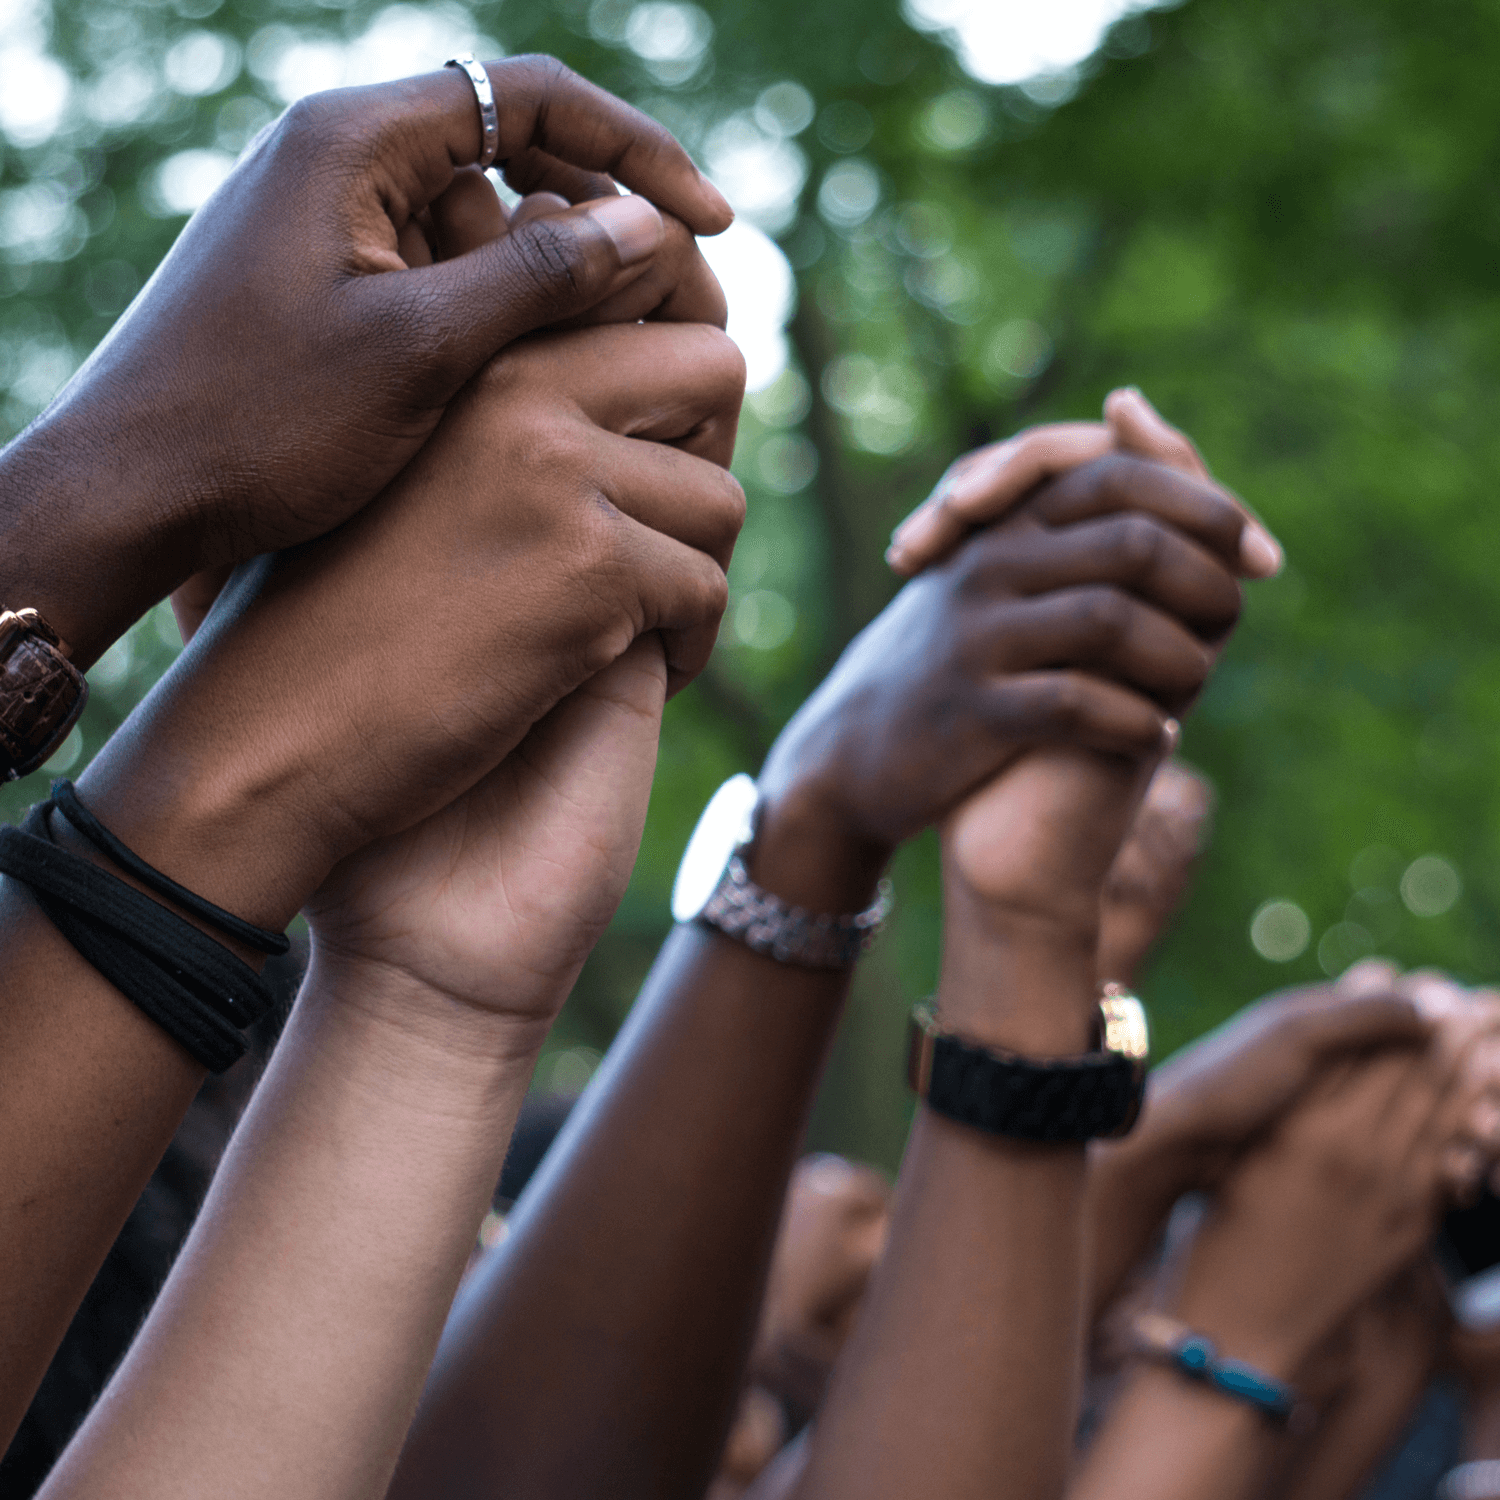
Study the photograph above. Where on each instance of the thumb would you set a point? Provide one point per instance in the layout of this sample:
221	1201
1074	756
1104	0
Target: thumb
546	269
1142	430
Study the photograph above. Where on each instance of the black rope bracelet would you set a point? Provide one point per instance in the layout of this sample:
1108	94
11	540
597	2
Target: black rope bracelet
192	986
192	1024
65	799
226	983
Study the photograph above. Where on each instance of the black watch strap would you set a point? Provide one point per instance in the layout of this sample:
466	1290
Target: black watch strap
1052	1100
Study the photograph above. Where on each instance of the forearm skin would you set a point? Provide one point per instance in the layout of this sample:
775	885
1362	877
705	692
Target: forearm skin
1132	1185
1168	1439
629	1284
962	1376
91	1092
286	1353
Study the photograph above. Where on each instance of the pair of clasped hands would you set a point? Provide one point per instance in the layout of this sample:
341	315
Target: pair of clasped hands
481	560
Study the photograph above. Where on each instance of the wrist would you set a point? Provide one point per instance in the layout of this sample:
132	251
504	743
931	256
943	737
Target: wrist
1017	986
207	816
1280	1352
806	854
1228	1295
85	534
448	1030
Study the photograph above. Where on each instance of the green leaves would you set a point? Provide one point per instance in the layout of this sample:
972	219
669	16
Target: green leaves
1279	218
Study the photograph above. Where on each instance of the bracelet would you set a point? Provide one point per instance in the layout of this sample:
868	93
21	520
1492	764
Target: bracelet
1479	1480
790	934
41	692
65	800
1169	1342
191	986
1055	1100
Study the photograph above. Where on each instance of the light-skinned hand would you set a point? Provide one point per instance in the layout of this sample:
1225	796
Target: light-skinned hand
576	498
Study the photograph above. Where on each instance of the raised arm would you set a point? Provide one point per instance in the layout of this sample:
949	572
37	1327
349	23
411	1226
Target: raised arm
633	1265
961	1376
345	691
285	1354
1312	1224
1209	1100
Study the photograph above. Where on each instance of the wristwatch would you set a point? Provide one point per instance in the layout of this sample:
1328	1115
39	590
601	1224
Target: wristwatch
1062	1099
41	692
714	887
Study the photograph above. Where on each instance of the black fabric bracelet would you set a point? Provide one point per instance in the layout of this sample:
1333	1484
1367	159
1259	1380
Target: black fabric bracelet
226	983
65	799
196	1027
199	992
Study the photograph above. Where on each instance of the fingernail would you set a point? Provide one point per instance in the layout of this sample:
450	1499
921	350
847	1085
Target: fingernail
715	197
902	538
1134	397
1171	736
1260	554
632	223
895	556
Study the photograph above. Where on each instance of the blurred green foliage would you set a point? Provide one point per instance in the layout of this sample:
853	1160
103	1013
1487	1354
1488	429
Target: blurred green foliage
1280	218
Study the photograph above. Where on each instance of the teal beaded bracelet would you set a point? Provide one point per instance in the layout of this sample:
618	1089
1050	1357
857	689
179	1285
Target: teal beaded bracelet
1169	1342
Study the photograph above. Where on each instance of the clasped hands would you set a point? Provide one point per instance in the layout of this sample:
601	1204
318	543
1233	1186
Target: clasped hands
536	519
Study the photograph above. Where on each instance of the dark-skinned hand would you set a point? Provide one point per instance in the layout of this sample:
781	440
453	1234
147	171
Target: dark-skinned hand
1086	617
676	286
251	399
983	485
1234	1083
1344	1192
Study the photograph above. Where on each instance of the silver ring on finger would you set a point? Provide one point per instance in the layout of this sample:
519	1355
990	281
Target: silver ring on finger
489	116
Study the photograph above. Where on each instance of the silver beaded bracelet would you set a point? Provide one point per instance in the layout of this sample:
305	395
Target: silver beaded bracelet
790	934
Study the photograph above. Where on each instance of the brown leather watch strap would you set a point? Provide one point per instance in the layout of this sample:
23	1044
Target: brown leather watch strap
41	692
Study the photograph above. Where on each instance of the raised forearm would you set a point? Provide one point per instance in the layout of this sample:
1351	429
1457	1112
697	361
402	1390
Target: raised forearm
312	1292
93	528
961	1379
1132	1185
91	1092
630	1281
1168	1439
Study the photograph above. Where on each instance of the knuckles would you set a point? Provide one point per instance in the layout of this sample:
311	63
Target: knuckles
1104	614
727	507
538	72
1135	543
548	258
1058	702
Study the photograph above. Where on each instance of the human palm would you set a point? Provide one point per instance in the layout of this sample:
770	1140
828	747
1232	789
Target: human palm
497	900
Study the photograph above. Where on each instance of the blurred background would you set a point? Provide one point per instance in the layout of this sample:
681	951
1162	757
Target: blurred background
1281	218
